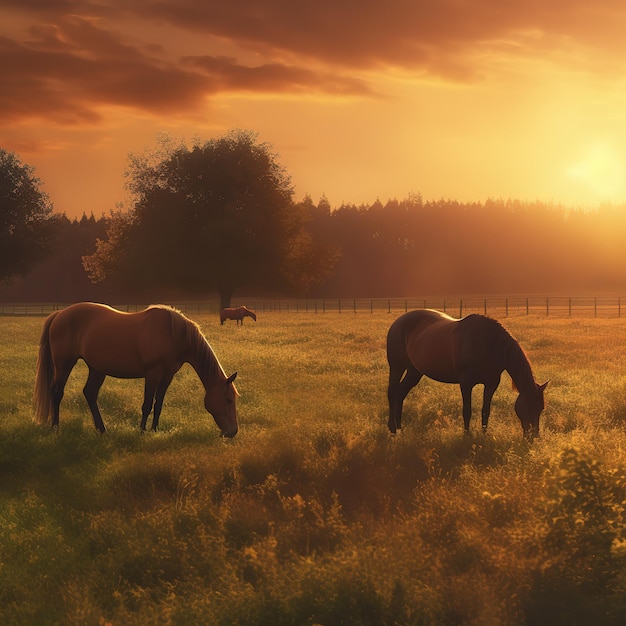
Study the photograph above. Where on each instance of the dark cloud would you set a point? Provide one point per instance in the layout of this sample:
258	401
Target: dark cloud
67	70
73	60
433	35
226	74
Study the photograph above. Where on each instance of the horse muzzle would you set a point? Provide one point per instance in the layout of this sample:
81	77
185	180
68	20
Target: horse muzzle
230	434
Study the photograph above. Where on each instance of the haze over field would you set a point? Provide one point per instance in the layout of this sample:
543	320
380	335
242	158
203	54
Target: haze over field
362	100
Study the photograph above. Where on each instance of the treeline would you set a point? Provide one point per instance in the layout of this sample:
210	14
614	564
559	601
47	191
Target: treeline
401	248
60	277
416	247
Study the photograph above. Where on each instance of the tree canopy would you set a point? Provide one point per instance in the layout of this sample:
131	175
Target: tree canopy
26	218
216	217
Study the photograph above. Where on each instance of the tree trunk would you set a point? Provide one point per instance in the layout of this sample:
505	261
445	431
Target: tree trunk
225	298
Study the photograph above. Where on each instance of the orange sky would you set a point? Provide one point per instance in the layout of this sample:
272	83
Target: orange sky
463	99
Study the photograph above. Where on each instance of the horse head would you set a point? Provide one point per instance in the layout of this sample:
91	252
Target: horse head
248	312
528	407
220	401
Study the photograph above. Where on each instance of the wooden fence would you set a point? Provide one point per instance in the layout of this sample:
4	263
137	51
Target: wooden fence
494	306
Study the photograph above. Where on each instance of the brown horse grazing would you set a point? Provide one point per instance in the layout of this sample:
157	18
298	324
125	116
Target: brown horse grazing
237	314
470	351
152	344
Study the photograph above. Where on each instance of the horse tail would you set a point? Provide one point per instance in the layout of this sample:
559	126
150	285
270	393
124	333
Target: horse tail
44	376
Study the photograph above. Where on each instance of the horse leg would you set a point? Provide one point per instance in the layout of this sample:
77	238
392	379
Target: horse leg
61	374
164	383
466	394
149	390
90	391
489	390
401	381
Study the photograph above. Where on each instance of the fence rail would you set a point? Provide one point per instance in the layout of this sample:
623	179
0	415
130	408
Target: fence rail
495	306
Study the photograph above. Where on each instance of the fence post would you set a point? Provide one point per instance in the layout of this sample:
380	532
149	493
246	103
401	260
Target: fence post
595	307
388	306
547	306
460	307
506	307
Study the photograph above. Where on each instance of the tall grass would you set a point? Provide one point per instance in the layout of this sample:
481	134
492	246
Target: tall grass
314	513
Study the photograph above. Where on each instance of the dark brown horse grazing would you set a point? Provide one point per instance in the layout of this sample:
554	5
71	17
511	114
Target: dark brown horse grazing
470	351
152	344
237	314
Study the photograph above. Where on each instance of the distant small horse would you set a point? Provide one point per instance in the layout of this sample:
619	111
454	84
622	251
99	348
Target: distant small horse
237	314
470	351
151	344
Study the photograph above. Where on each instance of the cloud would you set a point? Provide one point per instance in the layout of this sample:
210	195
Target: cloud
77	58
433	35
67	71
226	74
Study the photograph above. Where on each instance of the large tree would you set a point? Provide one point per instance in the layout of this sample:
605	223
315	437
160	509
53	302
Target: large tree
26	218
216	217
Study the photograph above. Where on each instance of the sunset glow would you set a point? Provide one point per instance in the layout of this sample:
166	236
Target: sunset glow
361	100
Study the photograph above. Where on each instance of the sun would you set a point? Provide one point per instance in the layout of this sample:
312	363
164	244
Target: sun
600	171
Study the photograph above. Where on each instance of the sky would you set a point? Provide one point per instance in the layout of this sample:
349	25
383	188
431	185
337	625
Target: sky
361	100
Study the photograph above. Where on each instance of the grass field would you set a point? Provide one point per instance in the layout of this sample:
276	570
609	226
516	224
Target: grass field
314	513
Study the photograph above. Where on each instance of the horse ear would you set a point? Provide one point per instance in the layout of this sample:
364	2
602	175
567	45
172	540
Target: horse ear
542	387
231	378
513	385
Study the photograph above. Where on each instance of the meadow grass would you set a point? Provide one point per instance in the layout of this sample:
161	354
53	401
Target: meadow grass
314	513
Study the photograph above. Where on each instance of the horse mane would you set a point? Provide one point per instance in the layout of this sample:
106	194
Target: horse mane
503	344
195	339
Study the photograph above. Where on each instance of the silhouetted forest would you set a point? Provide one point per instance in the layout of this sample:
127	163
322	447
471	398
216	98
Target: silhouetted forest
61	277
404	248
413	247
